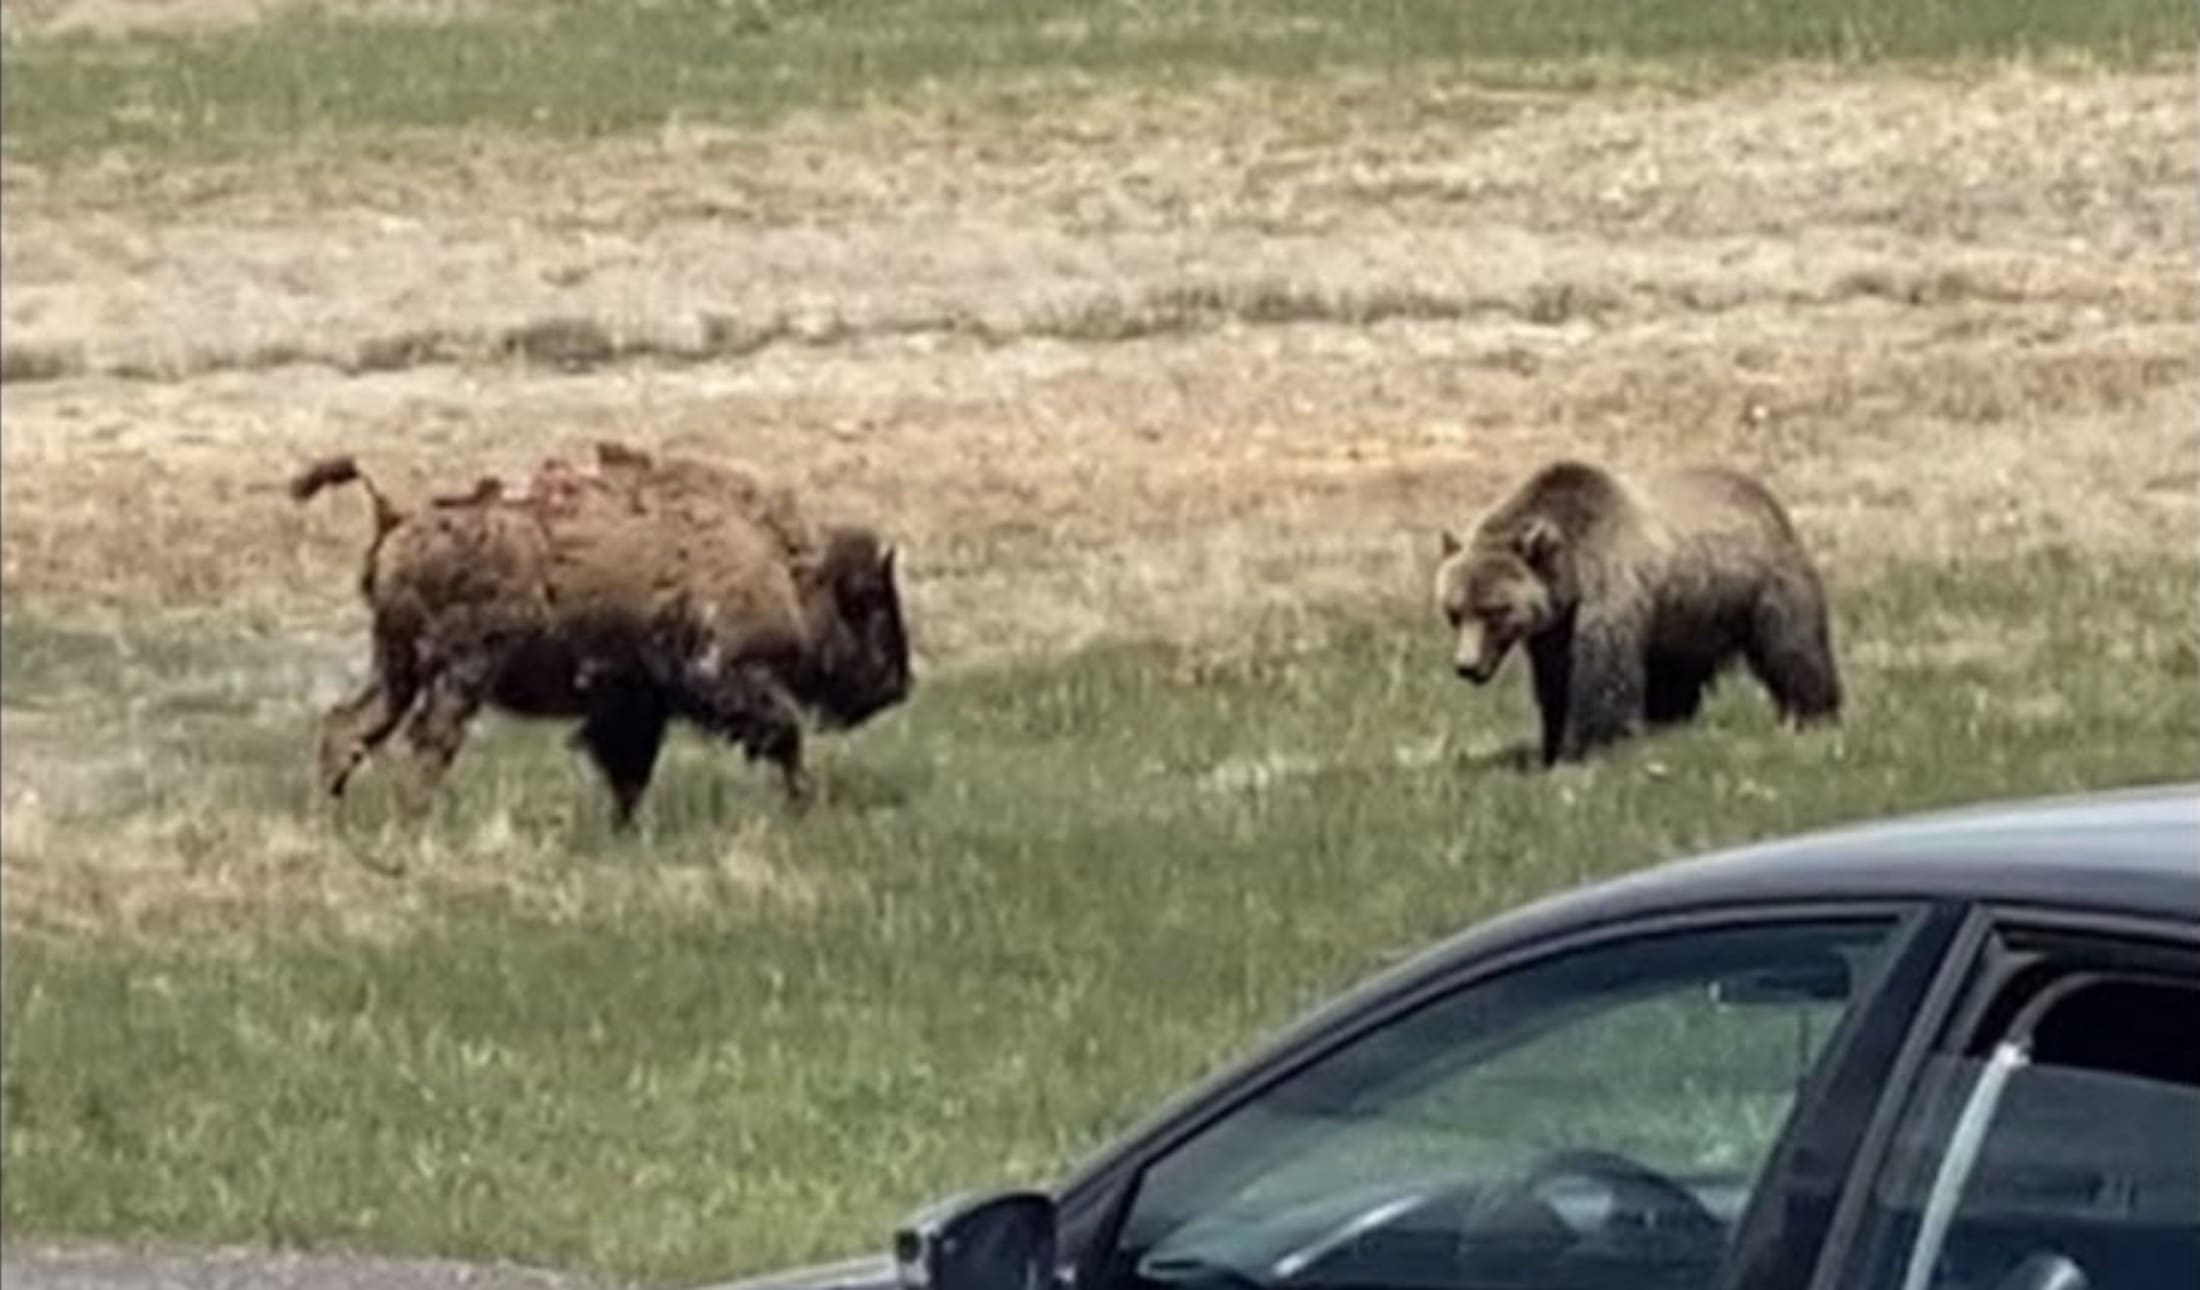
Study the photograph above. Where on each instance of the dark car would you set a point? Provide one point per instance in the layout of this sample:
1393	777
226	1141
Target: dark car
1953	1052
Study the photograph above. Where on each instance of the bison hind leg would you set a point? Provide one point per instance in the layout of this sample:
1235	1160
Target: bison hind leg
349	732
436	728
354	728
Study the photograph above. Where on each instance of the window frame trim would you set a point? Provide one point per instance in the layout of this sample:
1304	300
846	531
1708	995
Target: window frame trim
2181	935
1921	939
1977	963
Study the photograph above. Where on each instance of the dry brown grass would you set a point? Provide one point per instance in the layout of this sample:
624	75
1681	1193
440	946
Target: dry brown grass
210	876
103	829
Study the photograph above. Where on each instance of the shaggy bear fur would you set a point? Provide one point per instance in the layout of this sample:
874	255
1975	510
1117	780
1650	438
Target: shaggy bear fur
1631	598
623	596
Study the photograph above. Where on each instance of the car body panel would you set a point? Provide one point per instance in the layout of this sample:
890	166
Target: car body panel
2127	852
875	1272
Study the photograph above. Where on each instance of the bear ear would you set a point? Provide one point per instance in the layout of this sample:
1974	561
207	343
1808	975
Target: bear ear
1538	542
1449	543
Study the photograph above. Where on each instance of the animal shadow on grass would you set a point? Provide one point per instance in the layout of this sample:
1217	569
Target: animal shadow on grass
370	832
375	828
1522	758
703	800
1351	775
862	788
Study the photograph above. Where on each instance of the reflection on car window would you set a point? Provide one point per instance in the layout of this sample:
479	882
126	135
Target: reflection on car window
2068	1157
1596	1119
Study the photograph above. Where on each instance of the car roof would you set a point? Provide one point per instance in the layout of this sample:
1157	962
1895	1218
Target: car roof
2135	850
2131	851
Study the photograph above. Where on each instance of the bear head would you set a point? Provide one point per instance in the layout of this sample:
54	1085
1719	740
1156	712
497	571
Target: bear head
1497	590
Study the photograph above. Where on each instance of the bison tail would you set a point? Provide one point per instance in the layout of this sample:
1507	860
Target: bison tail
332	471
326	473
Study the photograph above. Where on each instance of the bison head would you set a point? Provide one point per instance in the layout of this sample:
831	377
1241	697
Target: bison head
859	657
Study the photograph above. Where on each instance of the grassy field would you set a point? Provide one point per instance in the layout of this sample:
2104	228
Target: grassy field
582	70
1163	338
741	1039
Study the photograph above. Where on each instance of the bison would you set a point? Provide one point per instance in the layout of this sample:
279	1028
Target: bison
623	597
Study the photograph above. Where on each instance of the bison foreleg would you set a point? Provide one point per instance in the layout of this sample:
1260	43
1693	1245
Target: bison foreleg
623	735
773	732
750	707
780	743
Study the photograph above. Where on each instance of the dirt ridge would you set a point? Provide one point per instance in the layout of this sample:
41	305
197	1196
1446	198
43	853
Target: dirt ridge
581	342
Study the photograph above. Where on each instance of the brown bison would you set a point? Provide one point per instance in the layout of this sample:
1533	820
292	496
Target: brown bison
623	596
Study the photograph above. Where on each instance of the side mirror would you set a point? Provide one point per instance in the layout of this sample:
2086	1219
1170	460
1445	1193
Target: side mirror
1002	1241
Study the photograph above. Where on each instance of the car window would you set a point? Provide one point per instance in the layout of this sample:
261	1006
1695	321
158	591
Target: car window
1595	1119
2066	1156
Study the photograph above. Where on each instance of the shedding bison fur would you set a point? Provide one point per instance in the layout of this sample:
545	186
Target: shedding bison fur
621	598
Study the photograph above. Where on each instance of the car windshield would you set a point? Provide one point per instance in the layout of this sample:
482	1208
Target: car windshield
1647	1075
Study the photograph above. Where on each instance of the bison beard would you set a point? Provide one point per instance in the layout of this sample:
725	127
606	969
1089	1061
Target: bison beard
642	593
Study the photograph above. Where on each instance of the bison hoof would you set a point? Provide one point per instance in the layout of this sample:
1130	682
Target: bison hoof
336	765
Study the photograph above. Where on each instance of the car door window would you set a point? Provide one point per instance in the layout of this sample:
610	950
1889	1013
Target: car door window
1595	1119
2058	1150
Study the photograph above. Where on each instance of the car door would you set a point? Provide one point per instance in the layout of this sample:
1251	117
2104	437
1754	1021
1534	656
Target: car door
1668	1104
2052	1140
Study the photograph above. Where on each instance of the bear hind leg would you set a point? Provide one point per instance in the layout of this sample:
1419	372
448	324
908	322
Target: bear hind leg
1790	651
1673	694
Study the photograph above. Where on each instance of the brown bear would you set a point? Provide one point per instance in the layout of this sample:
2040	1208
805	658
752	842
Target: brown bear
1633	596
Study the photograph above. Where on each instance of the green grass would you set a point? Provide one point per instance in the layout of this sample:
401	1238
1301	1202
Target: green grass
1043	898
574	69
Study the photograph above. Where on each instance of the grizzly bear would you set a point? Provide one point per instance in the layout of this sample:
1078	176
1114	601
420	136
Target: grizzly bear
1631	597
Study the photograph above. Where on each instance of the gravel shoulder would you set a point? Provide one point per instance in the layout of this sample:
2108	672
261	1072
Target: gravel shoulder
102	1267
